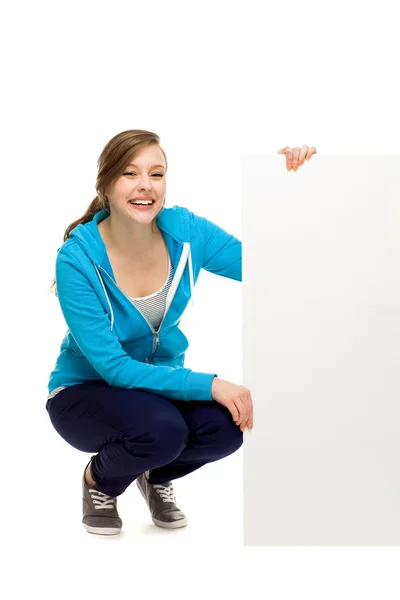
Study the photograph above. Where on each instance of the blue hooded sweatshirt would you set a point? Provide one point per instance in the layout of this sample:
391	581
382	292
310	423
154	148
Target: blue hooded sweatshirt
108	337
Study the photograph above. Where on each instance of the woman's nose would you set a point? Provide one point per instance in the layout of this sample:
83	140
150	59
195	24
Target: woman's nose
144	181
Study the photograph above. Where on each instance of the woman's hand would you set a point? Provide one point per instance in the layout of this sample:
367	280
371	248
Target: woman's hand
296	156
236	398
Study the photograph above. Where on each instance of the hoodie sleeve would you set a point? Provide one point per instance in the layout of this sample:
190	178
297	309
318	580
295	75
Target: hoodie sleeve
222	250
89	324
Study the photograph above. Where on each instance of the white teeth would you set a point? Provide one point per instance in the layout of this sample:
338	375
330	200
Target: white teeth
141	202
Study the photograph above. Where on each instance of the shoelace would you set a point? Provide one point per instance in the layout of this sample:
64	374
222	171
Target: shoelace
165	492
103	500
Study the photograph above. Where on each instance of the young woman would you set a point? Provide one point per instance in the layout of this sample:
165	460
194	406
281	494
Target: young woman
124	275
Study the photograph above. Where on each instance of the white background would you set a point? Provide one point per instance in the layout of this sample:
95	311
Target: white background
321	321
215	80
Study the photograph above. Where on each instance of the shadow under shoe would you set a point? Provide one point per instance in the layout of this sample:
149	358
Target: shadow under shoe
160	499
100	514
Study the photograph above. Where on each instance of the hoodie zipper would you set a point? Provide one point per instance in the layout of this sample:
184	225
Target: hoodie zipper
155	333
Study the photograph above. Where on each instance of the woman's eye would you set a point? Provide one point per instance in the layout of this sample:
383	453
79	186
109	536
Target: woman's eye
154	174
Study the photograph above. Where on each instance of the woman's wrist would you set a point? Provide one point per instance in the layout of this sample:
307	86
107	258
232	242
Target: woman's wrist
214	383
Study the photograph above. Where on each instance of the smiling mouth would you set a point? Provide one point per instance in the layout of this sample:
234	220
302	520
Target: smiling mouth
141	203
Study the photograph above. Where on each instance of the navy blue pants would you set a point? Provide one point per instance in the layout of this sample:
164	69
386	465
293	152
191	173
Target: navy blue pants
135	431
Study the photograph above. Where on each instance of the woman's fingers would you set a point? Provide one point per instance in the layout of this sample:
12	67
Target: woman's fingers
241	410
244	413
295	159
303	153
289	158
312	150
248	421
296	156
235	412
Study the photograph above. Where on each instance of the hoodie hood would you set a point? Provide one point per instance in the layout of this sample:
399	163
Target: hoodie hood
172	221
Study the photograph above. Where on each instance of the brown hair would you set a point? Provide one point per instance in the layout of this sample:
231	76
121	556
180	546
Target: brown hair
115	157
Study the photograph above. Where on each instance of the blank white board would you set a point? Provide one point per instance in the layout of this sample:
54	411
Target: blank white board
321	350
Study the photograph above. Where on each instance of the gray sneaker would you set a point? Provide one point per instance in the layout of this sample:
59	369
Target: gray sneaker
100	514
160	499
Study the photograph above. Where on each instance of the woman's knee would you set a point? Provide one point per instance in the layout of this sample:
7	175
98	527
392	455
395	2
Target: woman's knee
228	436
232	438
167	434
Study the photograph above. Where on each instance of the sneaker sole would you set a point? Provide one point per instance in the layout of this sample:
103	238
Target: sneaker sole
102	530
172	525
166	525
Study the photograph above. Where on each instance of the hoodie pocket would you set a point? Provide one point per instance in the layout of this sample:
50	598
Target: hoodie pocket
139	350
172	344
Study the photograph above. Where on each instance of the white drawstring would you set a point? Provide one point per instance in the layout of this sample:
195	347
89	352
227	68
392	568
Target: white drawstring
109	303
186	255
191	276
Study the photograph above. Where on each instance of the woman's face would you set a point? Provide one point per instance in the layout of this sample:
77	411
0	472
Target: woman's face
143	178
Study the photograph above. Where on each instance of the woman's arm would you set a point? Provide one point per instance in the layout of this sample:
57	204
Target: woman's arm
89	324
222	250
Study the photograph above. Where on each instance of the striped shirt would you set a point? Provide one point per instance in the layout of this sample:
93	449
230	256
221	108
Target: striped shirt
153	306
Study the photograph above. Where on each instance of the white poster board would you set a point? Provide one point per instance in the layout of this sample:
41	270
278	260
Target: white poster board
321	350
